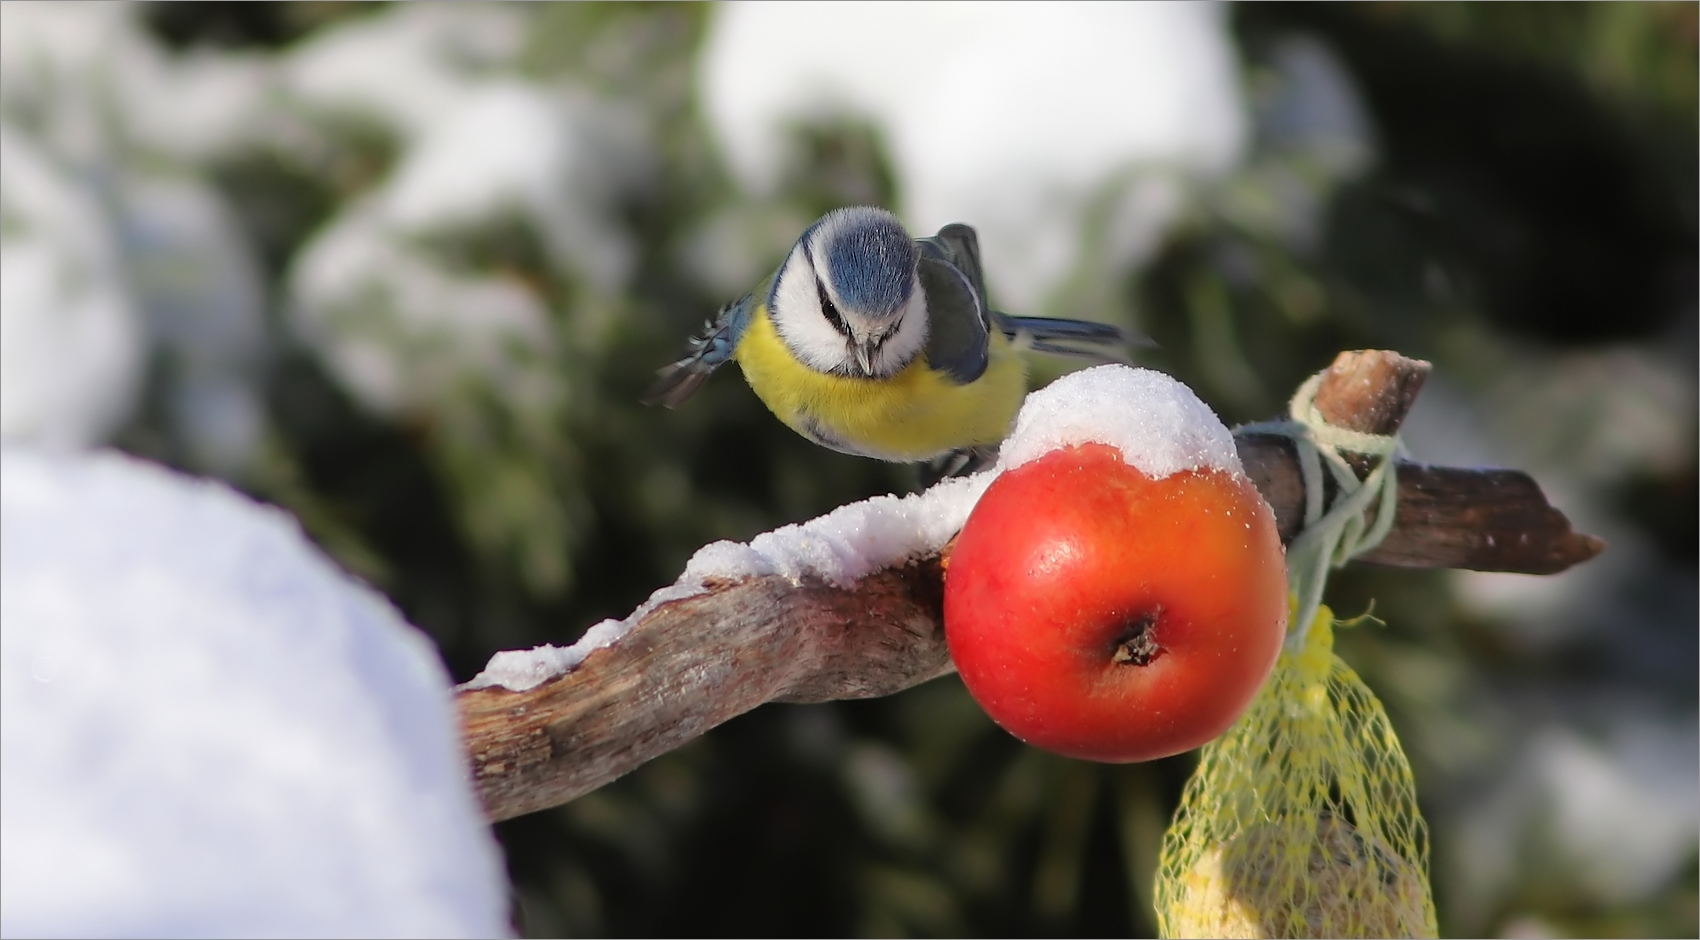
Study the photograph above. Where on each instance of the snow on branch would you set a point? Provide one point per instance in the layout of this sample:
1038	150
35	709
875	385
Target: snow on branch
697	656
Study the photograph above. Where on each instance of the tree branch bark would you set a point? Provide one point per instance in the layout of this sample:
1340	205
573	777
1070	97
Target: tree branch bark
1448	517
692	664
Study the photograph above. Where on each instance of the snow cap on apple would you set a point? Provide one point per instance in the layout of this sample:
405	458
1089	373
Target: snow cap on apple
1156	422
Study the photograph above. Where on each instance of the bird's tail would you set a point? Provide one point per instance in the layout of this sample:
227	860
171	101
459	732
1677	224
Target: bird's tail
1102	342
710	349
676	382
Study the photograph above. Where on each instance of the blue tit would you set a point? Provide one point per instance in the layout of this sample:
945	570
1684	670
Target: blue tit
874	343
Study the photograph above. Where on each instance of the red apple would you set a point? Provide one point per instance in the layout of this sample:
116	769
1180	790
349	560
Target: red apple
1102	614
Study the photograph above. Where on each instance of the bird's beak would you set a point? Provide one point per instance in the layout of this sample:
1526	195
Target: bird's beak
865	356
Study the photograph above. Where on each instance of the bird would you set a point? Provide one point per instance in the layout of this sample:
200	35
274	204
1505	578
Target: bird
873	343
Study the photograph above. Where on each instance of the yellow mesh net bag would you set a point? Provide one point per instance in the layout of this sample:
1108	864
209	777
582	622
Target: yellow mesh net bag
1302	820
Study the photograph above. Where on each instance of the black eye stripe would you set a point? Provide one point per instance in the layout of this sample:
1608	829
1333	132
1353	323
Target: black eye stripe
830	311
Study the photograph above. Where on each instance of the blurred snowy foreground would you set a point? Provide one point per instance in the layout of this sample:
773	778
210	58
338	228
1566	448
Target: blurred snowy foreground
1159	425
209	730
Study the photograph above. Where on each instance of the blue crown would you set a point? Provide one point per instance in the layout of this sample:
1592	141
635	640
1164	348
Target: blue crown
870	258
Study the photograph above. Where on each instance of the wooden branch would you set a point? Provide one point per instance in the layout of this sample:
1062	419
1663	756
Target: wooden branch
695	663
692	664
1448	517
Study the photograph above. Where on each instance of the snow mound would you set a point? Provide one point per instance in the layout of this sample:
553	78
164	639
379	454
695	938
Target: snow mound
1160	426
209	730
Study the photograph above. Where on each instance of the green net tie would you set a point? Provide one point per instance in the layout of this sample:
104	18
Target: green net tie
1331	538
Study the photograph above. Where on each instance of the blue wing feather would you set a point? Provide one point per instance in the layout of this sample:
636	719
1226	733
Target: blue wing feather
1099	341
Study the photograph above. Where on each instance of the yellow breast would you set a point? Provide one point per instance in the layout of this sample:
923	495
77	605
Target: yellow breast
915	415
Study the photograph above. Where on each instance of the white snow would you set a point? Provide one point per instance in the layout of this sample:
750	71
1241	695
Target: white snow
402	68
1160	426
209	730
402	332
1016	118
504	149
518	150
113	243
520	670
203	105
851	542
65	72
90	83
71	343
1157	423
100	270
841	547
385	293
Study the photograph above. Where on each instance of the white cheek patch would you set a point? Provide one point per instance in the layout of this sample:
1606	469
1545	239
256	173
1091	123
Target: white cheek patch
797	317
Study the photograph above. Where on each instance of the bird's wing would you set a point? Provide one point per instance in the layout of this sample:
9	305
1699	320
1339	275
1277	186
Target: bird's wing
1100	342
958	327
709	351
961	247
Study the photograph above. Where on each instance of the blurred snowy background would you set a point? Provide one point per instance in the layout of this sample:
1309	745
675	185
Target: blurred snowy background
403	271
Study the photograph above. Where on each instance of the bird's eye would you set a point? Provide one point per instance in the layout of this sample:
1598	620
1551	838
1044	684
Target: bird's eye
830	311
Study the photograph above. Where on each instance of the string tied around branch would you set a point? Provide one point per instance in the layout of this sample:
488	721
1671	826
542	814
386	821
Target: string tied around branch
1363	510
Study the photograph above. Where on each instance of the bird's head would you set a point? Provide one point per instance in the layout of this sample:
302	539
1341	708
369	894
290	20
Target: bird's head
847	300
